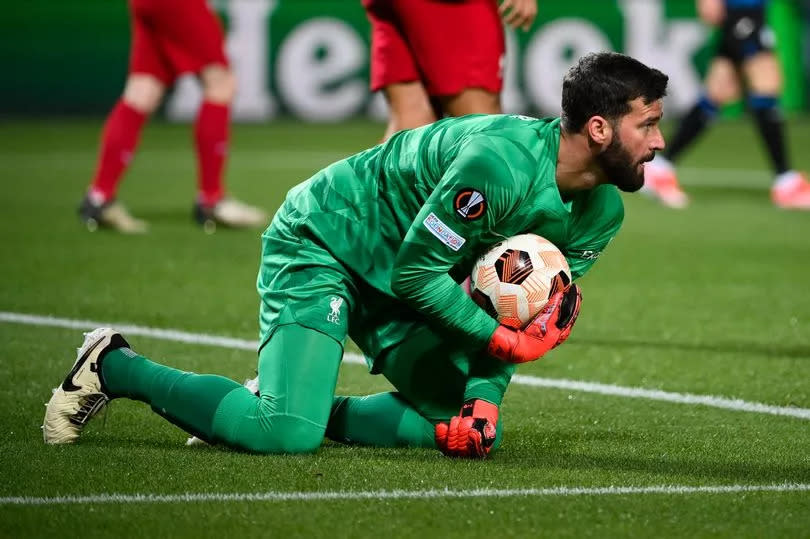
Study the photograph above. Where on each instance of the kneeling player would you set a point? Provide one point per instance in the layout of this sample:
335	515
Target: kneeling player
373	248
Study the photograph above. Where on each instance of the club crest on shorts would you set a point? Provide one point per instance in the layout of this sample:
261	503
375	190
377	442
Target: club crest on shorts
470	204
335	303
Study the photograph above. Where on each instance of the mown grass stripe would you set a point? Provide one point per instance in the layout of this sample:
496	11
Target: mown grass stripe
533	381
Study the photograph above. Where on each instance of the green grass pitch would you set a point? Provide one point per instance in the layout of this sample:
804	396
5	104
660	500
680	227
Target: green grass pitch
710	301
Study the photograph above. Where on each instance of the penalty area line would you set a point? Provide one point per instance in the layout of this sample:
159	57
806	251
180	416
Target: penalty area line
303	496
531	381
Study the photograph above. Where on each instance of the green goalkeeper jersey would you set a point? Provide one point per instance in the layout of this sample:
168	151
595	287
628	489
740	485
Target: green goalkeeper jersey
408	218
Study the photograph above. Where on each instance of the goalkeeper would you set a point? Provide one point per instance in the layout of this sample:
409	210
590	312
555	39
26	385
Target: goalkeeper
374	247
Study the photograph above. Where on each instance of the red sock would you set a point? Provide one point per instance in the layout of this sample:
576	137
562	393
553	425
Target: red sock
119	139
211	134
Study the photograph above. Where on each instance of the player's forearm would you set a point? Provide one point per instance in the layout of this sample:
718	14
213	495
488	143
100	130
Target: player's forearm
484	389
488	380
443	301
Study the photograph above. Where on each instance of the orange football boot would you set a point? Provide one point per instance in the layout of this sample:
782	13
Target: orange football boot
792	192
661	183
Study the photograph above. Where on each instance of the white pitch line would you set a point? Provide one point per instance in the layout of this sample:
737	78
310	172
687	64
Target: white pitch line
303	496
666	396
128	329
534	381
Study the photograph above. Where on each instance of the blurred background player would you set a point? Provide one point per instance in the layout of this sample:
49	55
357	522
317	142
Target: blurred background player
169	38
440	57
743	62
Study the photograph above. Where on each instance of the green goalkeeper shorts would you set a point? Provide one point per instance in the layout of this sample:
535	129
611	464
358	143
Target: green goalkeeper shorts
301	282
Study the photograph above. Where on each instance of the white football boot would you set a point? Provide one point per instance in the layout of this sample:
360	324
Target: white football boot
110	214
791	191
80	396
230	213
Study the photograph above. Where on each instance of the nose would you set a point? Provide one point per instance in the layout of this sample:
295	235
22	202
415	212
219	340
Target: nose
658	143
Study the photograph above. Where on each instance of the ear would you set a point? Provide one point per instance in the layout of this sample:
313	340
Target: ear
599	130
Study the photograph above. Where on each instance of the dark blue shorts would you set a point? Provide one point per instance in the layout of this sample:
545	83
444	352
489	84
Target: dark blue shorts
744	34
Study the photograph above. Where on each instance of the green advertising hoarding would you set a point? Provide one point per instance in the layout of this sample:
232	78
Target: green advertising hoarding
309	58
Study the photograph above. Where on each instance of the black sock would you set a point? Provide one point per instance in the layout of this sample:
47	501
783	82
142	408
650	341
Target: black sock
691	126
771	128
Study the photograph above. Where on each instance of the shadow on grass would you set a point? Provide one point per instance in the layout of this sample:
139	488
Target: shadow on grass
168	215
554	449
709	468
119	442
769	350
331	450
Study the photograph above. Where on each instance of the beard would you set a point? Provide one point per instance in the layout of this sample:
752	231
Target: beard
619	167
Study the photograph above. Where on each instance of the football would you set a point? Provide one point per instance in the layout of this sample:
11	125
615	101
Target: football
514	279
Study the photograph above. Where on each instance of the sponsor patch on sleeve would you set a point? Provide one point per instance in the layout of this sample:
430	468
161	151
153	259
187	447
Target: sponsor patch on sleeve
443	232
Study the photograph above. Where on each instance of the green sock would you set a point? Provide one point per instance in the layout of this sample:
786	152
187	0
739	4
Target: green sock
381	420
188	400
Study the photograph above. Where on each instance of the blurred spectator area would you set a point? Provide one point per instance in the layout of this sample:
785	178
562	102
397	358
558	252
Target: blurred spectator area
309	59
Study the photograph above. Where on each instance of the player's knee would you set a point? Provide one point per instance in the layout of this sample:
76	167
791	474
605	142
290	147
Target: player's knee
290	434
143	92
766	85
763	74
219	84
410	118
409	105
723	95
723	83
472	101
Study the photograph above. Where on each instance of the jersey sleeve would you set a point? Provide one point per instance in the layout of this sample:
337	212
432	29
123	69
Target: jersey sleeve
593	230
476	193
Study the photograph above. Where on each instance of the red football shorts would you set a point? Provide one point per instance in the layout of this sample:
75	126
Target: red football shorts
449	45
171	37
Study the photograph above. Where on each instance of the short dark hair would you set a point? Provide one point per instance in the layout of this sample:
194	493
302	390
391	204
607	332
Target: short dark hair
603	84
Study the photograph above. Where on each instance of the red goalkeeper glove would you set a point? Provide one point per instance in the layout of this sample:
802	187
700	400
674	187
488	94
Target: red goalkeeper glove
549	329
470	434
